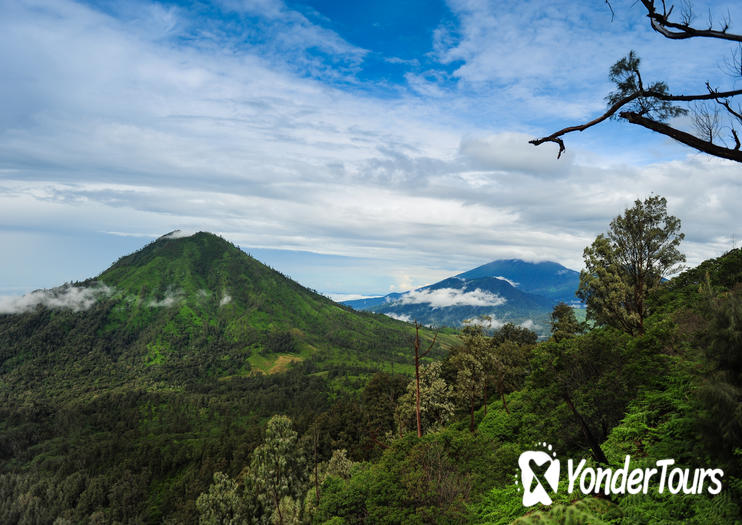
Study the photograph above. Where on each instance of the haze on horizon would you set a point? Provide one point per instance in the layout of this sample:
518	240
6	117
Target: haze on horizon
358	149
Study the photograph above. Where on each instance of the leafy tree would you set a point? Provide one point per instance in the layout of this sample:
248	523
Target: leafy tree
624	266
563	322
436	401
515	333
469	361
721	388
505	364
652	105
340	465
418	356
277	471
379	399
222	504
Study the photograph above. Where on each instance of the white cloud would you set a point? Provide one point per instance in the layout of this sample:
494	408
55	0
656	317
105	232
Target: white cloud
488	322
177	234
399	317
171	299
511	283
445	297
226	299
109	124
511	152
340	297
75	298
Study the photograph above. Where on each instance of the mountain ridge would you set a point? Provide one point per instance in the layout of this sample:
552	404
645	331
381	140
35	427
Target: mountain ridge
530	291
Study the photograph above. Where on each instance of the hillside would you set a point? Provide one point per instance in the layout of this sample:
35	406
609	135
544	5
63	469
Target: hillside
149	375
510	290
670	392
197	299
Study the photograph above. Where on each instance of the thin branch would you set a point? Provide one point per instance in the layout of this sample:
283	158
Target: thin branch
725	103
662	24
613	13
682	136
555	137
431	346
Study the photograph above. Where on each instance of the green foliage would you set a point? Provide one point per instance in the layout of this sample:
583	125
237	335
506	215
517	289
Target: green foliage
277	472
437	404
625	74
123	413
624	267
564	322
470	362
514	333
222	504
588	511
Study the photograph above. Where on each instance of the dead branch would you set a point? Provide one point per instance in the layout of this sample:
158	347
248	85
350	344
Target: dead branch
679	31
556	137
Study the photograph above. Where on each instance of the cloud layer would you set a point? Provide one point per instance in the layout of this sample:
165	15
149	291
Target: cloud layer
446	297
75	298
138	121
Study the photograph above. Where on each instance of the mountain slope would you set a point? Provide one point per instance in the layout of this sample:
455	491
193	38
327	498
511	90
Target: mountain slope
548	279
187	309
506	291
120	396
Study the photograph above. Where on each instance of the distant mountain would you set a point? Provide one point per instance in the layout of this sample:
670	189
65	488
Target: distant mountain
506	291
548	279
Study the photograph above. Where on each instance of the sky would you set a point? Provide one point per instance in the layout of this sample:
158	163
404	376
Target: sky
358	147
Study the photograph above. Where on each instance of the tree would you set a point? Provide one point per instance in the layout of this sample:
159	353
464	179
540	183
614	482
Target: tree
517	334
506	367
379	399
277	471
622	268
721	388
222	504
563	322
652	105
418	356
469	361
436	400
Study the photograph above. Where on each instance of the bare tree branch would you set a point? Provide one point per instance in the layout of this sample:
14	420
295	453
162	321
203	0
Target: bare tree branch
682	136
678	31
556	137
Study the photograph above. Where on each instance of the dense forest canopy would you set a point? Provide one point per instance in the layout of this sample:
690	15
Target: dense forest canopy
129	413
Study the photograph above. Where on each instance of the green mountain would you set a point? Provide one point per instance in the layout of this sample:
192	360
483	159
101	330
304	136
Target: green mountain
142	382
197	301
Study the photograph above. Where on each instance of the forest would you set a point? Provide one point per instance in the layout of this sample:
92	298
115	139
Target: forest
92	432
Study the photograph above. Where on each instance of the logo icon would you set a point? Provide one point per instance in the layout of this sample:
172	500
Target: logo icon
539	475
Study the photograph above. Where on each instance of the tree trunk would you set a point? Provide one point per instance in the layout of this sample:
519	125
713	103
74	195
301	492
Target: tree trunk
504	403
316	473
485	398
471	415
417	380
594	445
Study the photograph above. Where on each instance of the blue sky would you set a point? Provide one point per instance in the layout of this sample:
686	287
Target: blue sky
360	147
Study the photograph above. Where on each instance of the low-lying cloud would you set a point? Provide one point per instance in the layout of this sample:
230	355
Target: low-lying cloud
171	298
75	298
445	297
178	234
488	322
399	317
